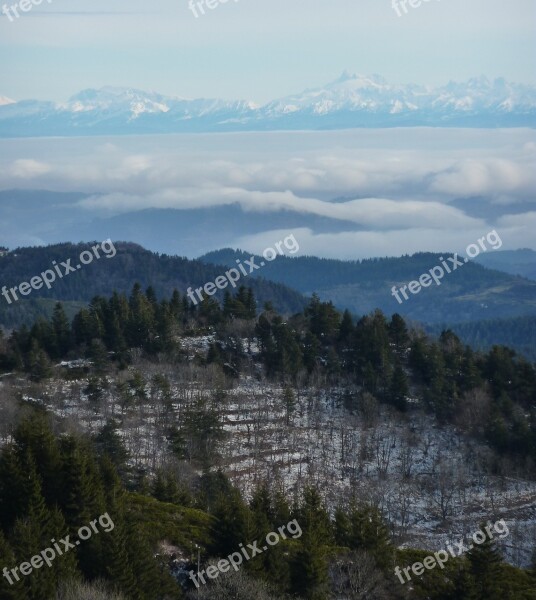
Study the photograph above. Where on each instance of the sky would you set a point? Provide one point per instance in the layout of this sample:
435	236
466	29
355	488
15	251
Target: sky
409	190
259	50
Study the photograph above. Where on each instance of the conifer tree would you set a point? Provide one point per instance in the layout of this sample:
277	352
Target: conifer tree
309	573
176	305
98	355
62	331
13	488
35	532
281	509
250	304
159	490
463	584
262	511
233	523
140	327
162	387
116	558
28	538
44	335
33	436
369	532
341	528
398	333
111	484
15	589
312	515
346	328
82	492
165	329
38	362
151	582
137	386
289	402
485	568
95	391
108	442
398	389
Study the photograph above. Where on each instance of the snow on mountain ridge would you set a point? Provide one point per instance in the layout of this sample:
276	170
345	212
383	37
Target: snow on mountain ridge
135	102
349	91
116	99
358	92
351	100
4	100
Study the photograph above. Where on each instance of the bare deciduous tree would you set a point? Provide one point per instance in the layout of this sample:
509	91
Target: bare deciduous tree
356	577
75	590
233	586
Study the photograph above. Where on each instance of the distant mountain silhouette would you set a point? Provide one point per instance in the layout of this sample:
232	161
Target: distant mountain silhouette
351	100
516	262
470	293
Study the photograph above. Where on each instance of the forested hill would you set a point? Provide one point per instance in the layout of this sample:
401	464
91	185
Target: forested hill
517	262
470	293
167	502
381	356
518	333
131	264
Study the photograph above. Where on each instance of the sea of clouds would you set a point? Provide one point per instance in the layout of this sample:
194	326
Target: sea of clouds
405	190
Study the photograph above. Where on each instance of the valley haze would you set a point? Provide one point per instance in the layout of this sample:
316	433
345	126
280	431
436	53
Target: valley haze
345	194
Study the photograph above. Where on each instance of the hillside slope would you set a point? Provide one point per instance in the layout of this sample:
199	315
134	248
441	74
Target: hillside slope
516	262
467	294
131	264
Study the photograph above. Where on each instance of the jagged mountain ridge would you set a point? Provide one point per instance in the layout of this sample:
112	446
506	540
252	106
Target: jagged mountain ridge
349	101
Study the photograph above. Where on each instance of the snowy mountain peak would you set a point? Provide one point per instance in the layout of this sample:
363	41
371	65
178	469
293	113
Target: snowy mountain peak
4	100
345	75
357	80
133	103
117	99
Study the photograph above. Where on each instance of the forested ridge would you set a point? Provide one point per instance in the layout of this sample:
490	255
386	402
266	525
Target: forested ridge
471	293
518	333
131	264
53	481
381	356
484	307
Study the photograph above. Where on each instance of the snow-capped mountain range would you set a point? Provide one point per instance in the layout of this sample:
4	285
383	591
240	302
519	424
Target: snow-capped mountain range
347	102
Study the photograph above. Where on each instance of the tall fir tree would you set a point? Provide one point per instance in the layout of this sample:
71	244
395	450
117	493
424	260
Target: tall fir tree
485	568
10	588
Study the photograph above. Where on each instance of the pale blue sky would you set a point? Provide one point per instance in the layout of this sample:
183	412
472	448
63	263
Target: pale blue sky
259	49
